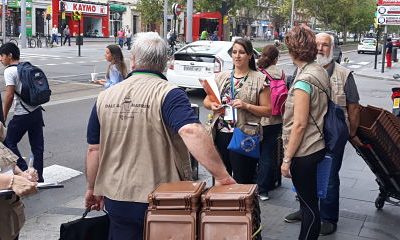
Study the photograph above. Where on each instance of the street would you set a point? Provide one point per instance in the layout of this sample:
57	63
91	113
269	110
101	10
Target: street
67	114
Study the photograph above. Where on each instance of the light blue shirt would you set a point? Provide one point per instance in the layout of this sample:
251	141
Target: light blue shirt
115	77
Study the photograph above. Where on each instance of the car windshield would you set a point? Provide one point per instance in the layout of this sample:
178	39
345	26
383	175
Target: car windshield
369	41
201	49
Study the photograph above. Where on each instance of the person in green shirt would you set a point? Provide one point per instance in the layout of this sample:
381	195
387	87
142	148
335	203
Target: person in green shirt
204	35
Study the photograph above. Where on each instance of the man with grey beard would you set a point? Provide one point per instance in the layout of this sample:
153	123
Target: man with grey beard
345	94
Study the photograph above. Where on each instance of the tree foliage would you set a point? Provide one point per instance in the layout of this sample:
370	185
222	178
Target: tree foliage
151	11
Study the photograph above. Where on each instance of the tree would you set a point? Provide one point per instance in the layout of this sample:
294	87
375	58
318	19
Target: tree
151	12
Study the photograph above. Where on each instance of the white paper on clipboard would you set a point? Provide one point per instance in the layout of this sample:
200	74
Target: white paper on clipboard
211	88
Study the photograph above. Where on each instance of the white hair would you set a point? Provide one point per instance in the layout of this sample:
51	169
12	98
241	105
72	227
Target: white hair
149	51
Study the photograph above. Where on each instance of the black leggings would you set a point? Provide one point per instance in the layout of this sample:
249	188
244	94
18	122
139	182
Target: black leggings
242	168
304	177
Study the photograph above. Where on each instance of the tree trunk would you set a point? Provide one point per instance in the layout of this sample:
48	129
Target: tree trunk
345	34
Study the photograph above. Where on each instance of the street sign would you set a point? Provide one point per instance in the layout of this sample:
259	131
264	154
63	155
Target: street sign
177	9
389	2
76	15
389	20
388	10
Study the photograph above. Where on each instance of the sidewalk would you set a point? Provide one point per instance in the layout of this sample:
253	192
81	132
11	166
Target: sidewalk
359	219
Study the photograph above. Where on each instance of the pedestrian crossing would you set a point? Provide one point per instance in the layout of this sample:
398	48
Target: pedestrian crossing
354	64
49	59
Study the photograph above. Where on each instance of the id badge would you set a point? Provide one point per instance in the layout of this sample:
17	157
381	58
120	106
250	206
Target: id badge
228	113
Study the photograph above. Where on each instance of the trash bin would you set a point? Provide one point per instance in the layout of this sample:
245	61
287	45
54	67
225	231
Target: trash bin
394	54
193	161
79	40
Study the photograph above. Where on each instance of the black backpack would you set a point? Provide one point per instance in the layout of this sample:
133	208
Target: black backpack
35	86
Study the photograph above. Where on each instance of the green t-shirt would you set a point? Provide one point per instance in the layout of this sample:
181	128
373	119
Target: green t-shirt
303	85
204	35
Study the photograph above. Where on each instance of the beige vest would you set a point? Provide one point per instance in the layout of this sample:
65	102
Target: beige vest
312	140
249	93
275	73
137	150
337	83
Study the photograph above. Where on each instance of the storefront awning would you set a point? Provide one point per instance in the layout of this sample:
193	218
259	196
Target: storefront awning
117	8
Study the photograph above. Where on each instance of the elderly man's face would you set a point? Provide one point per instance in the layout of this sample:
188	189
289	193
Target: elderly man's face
324	45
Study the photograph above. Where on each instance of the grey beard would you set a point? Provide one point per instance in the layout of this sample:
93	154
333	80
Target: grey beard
322	60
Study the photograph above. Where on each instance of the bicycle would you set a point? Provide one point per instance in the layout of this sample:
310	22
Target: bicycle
31	42
10	39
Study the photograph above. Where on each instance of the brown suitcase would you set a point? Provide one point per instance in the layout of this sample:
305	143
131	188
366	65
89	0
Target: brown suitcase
173	211
230	212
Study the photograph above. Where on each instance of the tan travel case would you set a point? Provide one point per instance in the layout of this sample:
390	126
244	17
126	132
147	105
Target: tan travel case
230	212
173	211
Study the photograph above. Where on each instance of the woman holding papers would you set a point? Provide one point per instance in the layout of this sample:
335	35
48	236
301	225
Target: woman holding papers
245	103
303	121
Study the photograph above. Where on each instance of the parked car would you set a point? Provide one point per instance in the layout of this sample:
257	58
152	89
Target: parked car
337	50
369	45
200	60
396	42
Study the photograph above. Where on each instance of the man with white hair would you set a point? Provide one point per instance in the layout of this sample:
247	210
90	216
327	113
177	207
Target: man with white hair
139	134
344	93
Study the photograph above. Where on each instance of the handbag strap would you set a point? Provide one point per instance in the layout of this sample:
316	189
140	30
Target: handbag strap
233	96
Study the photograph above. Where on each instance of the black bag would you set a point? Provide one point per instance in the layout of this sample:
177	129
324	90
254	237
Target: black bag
35	87
95	228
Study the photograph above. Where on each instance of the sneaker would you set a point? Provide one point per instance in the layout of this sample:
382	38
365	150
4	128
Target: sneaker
327	228
293	217
264	197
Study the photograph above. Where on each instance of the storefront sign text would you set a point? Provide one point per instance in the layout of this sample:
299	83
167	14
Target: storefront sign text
86	8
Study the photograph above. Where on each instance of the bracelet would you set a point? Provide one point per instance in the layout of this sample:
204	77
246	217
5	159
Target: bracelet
11	182
287	160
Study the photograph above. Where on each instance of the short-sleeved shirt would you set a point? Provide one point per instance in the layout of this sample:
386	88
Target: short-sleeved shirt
176	113
350	87
11	78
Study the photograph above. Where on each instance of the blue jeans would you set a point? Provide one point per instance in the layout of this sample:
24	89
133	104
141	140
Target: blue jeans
16	129
54	38
126	219
268	162
329	207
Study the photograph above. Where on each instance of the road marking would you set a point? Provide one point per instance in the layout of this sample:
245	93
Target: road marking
363	63
57	173
77	99
354	66
67	63
51	64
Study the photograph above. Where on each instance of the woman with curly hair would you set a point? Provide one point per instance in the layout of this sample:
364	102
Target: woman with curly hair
272	126
117	70
303	121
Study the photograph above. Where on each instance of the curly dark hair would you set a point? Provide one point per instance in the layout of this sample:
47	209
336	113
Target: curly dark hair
248	47
269	54
301	44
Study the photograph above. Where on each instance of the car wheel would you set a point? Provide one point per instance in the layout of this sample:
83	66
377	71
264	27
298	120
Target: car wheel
358	52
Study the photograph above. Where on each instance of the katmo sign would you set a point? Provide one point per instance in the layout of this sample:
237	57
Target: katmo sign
85	8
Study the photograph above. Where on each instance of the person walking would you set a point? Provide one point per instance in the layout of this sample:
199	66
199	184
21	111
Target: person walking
26	119
389	49
250	102
121	37
345	94
204	35
303	143
128	38
117	70
54	34
67	34
154	116
272	126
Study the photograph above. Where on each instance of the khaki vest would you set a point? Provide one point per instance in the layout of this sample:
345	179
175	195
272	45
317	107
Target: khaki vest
337	83
249	93
312	140
137	150
275	73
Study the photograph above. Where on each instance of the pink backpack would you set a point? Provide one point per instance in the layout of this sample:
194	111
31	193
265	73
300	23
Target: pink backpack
279	93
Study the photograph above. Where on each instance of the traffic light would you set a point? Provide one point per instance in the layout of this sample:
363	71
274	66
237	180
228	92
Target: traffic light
62	6
76	15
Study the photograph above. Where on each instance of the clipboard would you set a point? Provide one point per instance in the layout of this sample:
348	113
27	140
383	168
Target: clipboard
40	186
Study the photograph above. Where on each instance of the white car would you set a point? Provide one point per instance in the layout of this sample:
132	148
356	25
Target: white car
200	60
368	45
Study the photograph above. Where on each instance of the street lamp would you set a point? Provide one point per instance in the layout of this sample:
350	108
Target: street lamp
292	16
